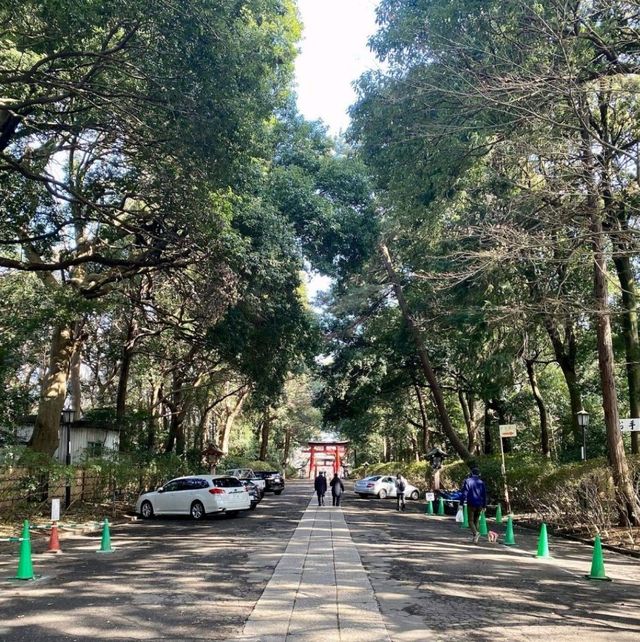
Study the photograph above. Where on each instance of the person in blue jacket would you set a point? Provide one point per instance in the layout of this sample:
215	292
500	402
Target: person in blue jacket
474	494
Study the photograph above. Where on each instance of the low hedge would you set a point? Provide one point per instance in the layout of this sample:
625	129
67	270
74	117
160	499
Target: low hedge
576	496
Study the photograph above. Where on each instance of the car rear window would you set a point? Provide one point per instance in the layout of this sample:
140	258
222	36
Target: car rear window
227	482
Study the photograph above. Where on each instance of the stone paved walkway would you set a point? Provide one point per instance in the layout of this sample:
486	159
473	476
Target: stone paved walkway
319	591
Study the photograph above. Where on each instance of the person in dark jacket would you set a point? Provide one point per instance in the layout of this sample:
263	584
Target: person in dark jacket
401	486
337	488
474	494
321	487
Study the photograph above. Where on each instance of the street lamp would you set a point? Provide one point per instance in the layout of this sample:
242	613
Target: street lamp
583	422
67	419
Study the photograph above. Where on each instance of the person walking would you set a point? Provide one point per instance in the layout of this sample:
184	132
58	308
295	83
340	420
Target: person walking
337	488
474	494
401	485
320	485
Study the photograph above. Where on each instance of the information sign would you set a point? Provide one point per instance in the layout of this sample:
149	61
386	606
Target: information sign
630	425
508	430
55	509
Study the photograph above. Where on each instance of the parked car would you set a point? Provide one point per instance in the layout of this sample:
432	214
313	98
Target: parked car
195	495
274	481
383	486
247	473
254	493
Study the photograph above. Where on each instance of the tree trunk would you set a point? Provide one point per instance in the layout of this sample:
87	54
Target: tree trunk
125	368
415	448
424	435
468	405
264	436
425	362
177	405
231	415
45	436
488	442
542	408
154	413
566	357
627	280
628	507
75	388
287	448
498	406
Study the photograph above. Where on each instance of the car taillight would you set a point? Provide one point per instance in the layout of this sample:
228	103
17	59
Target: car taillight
216	491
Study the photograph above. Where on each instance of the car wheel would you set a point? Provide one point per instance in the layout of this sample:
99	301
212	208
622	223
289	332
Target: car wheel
414	495
382	494
277	492
146	510
197	510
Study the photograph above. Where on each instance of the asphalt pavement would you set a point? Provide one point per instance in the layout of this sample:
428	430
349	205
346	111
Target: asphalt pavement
433	583
168	579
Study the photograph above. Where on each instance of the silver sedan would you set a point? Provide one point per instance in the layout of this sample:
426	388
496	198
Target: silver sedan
383	486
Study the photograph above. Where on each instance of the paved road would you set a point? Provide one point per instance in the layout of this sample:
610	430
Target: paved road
169	579
173	579
432	583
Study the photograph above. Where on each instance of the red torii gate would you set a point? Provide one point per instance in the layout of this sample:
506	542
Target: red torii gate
335	450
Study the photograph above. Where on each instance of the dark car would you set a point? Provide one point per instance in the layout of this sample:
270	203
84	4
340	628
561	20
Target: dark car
274	481
254	493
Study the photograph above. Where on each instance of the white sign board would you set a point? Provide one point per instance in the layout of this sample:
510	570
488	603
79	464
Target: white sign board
430	496
508	430
55	509
630	425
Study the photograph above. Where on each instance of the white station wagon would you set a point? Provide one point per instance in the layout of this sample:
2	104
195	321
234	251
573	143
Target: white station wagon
195	495
383	486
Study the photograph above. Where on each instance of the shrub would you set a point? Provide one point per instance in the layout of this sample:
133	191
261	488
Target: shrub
573	496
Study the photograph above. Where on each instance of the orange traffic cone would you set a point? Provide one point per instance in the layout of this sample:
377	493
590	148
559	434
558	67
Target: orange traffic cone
54	542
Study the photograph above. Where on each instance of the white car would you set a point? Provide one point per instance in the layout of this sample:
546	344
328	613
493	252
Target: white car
195	495
383	486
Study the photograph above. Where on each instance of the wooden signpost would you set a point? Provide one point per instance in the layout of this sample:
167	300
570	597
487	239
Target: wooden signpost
506	431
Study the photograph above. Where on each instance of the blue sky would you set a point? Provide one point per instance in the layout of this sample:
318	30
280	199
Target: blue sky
333	54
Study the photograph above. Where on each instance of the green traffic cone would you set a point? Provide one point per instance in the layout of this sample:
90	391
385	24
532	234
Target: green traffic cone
465	515
483	530
509	537
105	544
440	507
498	514
543	544
25	568
429	510
597	563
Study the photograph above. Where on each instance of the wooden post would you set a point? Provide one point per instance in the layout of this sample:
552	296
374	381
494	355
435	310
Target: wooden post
507	504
